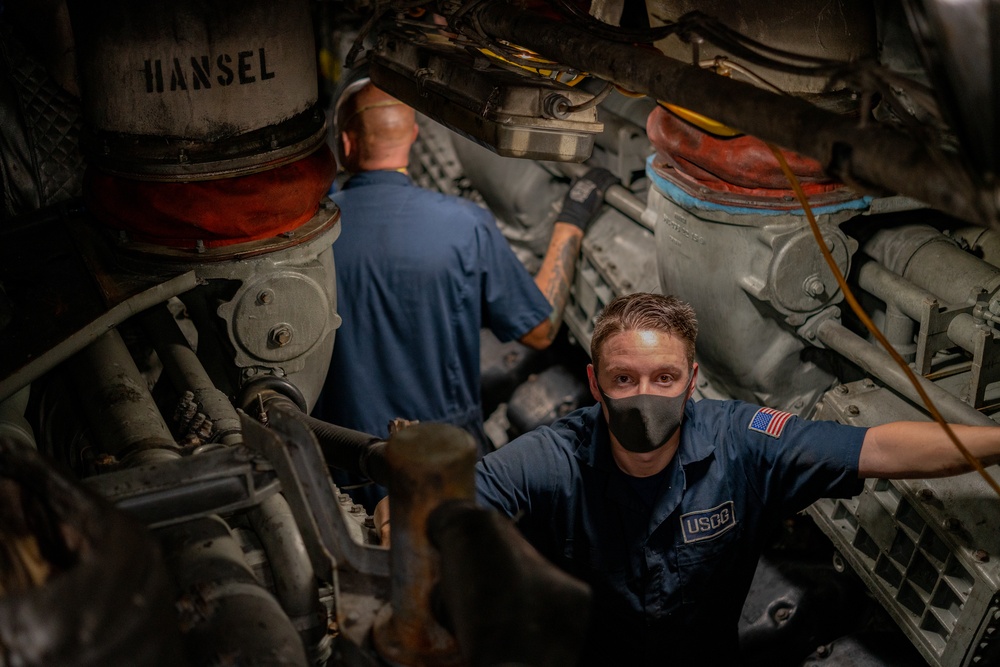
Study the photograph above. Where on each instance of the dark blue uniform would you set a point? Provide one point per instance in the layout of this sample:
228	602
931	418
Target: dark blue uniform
418	274
670	558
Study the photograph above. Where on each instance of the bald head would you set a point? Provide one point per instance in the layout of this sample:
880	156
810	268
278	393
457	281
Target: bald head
376	131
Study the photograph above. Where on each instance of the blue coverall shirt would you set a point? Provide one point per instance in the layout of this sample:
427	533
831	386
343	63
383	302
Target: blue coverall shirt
419	273
669	566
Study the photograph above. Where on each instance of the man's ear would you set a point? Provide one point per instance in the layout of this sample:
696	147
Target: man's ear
345	149
592	379
694	380
416	131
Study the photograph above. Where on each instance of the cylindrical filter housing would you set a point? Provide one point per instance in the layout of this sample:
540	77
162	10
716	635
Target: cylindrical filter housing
190	89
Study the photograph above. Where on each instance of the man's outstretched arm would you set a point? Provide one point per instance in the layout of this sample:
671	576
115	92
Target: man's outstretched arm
902	450
580	207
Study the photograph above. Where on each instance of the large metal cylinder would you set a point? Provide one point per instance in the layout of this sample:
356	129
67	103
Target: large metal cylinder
933	262
772	267
186	88
228	616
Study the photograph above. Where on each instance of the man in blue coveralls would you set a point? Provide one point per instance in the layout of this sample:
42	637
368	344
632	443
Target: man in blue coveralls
663	504
419	273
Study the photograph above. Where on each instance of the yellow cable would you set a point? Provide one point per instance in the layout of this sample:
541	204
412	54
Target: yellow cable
870	325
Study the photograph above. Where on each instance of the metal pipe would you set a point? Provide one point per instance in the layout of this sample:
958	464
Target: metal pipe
231	617
617	195
187	373
295	583
893	289
930	260
965	331
879	364
354	451
430	463
900	331
854	153
984	243
118	405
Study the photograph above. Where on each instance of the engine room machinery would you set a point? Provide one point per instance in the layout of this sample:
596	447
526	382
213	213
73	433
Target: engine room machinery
168	311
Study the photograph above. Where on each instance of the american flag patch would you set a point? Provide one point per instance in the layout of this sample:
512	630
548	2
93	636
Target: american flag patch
769	422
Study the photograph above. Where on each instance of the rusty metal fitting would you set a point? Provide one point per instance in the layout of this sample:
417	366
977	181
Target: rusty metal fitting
429	463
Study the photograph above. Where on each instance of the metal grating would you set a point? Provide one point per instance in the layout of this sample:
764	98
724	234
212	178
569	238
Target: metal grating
931	583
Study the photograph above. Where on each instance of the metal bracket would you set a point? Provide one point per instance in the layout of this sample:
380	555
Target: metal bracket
985	365
933	334
215	482
294	452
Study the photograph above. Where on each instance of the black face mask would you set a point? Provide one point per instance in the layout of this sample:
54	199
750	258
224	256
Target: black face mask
644	422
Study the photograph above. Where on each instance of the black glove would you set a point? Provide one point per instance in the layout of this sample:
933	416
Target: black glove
585	196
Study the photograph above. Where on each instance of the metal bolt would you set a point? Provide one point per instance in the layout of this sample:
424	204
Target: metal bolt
199	246
853	410
266	296
868	383
842	389
925	494
556	106
838	562
952	524
821	651
813	286
981	555
281	335
782	614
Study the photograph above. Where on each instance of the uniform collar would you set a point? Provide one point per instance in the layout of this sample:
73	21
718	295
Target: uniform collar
377	177
694	446
596	451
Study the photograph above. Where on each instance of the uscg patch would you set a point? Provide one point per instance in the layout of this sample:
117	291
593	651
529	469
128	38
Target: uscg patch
708	524
769	422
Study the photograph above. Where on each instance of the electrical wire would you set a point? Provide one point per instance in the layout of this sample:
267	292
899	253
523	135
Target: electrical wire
870	325
378	12
593	101
722	62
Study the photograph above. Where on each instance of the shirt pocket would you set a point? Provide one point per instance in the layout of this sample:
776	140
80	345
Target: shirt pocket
701	564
